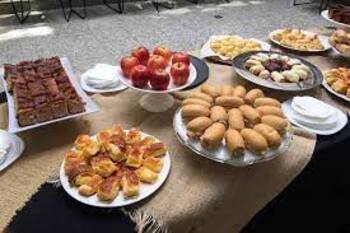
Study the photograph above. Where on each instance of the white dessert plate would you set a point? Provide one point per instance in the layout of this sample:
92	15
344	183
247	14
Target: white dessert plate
339	24
342	120
88	88
145	189
171	88
14	147
330	89
311	107
324	41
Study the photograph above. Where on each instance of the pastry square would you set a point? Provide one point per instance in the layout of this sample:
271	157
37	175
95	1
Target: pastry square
109	188
103	165
134	158
155	150
155	164
146	175
133	136
130	184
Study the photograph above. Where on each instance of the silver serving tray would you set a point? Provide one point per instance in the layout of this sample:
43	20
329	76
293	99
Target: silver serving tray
222	154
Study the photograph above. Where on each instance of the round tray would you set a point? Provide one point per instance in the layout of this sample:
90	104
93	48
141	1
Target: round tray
339	24
314	81
330	89
222	154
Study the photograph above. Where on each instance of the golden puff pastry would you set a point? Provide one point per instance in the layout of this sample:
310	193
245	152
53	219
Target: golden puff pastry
130	183
226	90
218	114
229	101
213	136
134	158
270	110
196	127
272	136
115	153
157	149
250	114
202	96
103	138
210	90
146	175
196	101
72	159
252	95
109	188
234	141
87	145
240	91
235	119
194	110
340	86
77	170
254	140
278	123
88	183
155	164
133	136
266	101
103	165
117	130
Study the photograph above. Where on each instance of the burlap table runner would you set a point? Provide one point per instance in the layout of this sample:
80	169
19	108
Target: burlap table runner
199	195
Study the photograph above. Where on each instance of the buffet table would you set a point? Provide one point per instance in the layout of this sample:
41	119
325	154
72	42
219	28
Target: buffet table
197	189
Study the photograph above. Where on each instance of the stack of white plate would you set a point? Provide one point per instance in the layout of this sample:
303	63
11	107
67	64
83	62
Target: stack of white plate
314	115
11	147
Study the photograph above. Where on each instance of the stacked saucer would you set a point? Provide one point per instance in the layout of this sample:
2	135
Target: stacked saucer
11	147
314	115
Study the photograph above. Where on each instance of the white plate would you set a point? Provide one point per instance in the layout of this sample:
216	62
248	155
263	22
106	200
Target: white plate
145	189
90	106
91	89
324	41
222	154
325	15
15	149
171	87
206	50
330	89
339	53
342	120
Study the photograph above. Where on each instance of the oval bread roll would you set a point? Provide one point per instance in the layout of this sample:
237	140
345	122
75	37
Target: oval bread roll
266	101
194	110
235	119
210	90
202	96
270	110
239	91
272	136
196	127
229	101
252	95
254	140
250	113
234	141
218	114
196	101
278	123
213	136
226	90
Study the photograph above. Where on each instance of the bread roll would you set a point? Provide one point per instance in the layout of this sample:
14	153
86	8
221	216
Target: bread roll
194	110
270	110
252	95
197	126
213	136
266	101
254	140
202	96
219	114
272	136
250	113
278	123
234	141
235	119
196	101
210	90
239	91
229	101
226	90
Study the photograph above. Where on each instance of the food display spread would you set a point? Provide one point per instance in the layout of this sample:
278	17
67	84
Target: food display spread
340	40
298	39
339	80
42	91
115	160
241	119
232	45
278	68
339	13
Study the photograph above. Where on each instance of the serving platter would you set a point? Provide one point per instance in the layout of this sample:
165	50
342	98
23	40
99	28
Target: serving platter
339	53
15	147
323	39
313	81
339	24
222	154
328	88
145	189
90	106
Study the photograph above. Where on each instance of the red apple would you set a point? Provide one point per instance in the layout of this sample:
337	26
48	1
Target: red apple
140	76
180	73
142	54
159	79
127	63
156	62
163	51
181	57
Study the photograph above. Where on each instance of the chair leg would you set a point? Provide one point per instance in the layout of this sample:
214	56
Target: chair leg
162	4
22	17
120	9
